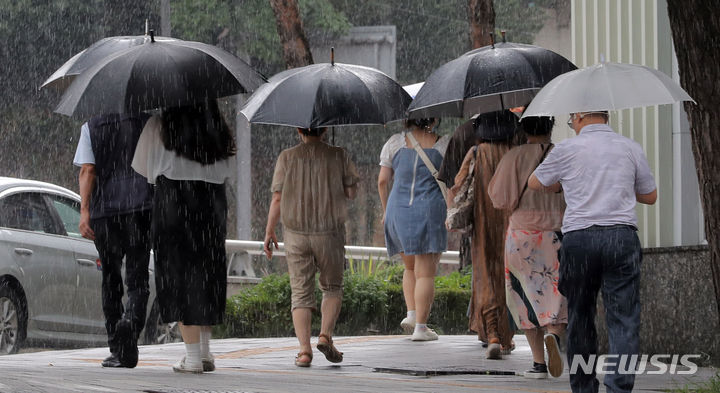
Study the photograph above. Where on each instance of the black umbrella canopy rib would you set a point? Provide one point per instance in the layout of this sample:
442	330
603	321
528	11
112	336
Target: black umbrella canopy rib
157	75
488	79
325	94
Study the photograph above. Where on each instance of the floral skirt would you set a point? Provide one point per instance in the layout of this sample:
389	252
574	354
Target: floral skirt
531	279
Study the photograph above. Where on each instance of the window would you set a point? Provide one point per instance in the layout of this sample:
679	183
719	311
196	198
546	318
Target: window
69	212
26	211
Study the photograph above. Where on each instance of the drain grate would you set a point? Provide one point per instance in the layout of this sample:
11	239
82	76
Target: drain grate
438	372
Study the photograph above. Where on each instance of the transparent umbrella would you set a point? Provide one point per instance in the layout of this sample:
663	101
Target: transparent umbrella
605	87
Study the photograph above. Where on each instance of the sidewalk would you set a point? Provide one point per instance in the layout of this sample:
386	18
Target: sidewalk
372	364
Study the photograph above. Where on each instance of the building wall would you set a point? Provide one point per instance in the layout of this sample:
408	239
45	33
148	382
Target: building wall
638	32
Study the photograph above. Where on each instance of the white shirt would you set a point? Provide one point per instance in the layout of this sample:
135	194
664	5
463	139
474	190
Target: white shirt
600	172
84	153
152	159
397	142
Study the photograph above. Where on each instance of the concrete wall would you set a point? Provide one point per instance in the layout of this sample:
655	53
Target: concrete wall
679	311
371	46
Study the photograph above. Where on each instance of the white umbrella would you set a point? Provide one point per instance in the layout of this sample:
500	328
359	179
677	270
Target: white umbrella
605	87
413	89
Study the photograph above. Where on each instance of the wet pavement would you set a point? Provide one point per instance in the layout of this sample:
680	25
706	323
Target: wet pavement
372	364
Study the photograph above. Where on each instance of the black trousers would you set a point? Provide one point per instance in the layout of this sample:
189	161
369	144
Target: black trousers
117	237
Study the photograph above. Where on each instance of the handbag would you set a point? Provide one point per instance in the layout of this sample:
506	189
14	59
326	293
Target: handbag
460	216
428	164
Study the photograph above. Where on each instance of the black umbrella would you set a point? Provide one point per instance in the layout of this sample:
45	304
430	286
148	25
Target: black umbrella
325	94
491	78
64	75
157	74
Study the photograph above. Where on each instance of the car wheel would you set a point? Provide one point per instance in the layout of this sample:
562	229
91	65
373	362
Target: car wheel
157	332
13	319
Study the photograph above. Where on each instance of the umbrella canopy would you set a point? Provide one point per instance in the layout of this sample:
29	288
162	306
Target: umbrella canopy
327	94
64	75
487	79
605	87
157	74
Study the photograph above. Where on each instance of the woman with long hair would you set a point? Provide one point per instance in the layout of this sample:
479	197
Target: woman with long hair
188	153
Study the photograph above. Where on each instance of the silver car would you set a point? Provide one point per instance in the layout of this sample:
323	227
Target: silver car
50	279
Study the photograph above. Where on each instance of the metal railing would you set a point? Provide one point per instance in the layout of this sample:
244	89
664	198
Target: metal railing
240	253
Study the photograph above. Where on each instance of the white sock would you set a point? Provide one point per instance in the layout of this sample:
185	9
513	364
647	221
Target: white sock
411	314
205	343
192	355
420	327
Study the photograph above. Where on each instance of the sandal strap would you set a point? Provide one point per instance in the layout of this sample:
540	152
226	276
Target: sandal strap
304	353
325	336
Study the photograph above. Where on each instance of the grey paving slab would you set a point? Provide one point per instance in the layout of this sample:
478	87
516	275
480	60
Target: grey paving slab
266	365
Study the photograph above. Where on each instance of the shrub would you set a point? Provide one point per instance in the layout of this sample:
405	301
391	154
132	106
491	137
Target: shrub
372	303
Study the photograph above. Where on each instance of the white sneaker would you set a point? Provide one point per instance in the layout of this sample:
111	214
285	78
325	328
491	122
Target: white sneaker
182	367
424	335
555	362
408	325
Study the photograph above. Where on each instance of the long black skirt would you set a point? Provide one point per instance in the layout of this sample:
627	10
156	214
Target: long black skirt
189	228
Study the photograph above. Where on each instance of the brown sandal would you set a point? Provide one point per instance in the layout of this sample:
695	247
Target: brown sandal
299	356
328	349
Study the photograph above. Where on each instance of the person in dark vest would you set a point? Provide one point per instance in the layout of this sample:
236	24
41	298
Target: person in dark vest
115	213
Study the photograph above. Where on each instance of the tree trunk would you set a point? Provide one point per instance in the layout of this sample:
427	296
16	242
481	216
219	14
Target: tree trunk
296	49
482	22
695	28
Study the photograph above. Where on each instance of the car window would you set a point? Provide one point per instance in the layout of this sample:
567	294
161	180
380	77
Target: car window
26	211
69	212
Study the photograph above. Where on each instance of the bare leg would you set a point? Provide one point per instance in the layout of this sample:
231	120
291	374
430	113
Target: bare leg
425	270
557	329
409	281
330	310
537	346
301	321
192	360
190	333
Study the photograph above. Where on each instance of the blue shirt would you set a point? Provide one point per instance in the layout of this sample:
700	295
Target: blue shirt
600	172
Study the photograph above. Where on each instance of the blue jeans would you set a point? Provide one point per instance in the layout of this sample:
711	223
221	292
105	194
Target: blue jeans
606	258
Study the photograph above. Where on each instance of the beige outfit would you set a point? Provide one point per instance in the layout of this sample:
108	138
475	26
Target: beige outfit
312	178
537	211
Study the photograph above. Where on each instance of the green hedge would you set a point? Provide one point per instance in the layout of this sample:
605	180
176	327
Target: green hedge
372	304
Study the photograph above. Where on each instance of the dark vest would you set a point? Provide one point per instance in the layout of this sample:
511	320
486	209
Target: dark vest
118	188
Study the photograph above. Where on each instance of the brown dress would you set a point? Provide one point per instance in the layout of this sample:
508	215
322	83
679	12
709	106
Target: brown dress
488	312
